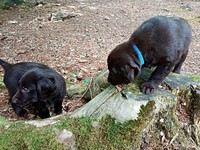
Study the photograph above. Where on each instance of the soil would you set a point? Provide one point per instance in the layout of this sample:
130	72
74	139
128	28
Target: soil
78	45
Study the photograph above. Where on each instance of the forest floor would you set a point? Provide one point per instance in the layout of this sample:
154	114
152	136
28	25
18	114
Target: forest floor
78	45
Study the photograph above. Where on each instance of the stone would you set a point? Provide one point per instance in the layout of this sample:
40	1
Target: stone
62	15
67	138
13	22
107	18
187	8
79	76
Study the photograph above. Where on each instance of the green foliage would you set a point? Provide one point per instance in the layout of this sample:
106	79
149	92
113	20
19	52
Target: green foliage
72	76
86	81
9	3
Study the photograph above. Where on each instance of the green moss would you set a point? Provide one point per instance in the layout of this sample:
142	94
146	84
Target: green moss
2	119
107	134
174	75
134	88
20	136
194	77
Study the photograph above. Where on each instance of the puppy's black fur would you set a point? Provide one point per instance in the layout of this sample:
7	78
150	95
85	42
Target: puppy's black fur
34	87
163	42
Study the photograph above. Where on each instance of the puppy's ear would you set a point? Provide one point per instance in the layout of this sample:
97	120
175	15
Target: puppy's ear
136	67
129	73
114	70
46	87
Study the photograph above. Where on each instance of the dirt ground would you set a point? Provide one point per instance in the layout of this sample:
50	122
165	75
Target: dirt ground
78	46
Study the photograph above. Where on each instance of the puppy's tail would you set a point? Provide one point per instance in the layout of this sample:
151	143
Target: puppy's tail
4	64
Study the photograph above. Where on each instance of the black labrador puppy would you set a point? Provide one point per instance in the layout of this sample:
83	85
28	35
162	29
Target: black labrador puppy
160	41
34	87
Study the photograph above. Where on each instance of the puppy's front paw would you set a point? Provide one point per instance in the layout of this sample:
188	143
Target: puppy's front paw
59	112
147	88
20	112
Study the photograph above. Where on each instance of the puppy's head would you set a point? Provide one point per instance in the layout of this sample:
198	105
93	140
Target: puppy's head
123	65
34	85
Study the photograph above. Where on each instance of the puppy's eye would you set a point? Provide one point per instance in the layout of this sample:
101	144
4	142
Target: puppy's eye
25	89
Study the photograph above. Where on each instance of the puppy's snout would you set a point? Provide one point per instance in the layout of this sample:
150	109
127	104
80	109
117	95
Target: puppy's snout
14	100
111	80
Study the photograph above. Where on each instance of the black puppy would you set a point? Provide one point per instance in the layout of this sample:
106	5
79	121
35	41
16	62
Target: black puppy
34	87
160	41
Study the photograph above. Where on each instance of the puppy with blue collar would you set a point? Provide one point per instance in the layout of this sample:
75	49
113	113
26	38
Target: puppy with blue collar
160	42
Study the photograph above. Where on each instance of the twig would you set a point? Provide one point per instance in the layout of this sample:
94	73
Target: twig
75	104
173	139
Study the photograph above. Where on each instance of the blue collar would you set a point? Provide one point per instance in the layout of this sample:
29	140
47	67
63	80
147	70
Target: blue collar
139	54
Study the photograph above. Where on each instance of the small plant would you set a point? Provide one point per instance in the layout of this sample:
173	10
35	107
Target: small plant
5	4
1	84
